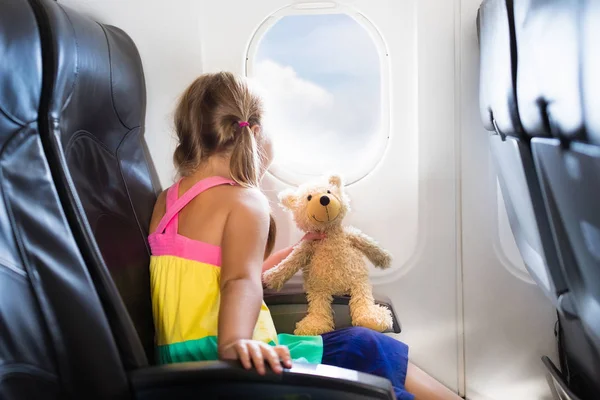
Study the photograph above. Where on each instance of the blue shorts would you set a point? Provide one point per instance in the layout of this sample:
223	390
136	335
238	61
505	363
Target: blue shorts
365	350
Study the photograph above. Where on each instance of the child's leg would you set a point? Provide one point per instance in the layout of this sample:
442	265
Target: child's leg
368	351
425	387
365	350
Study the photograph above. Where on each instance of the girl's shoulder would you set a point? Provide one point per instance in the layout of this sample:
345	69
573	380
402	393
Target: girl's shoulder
252	197
246	205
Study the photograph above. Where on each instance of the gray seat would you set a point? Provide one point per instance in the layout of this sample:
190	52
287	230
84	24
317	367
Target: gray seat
569	162
509	145
539	90
558	93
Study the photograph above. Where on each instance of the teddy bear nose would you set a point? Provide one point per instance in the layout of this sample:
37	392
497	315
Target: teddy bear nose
324	200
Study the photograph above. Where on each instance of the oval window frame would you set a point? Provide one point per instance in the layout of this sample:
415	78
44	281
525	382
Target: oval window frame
294	178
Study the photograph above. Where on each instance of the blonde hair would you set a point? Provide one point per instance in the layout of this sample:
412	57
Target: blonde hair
207	123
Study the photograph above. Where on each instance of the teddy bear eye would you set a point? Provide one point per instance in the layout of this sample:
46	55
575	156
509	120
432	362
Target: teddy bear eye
329	191
309	198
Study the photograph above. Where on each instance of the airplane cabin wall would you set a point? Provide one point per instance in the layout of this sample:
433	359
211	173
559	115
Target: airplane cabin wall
431	201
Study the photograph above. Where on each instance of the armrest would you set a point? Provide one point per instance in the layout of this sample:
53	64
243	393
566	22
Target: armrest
294	295
557	380
220	380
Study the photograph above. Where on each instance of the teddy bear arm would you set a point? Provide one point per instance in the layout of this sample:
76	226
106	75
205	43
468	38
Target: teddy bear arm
370	248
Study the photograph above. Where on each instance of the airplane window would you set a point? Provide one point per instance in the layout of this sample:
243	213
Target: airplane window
323	83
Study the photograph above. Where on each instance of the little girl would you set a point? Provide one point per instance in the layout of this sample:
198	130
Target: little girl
211	233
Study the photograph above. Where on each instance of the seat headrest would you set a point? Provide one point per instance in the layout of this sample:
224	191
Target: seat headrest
102	64
128	85
539	63
497	102
590	54
548	78
20	92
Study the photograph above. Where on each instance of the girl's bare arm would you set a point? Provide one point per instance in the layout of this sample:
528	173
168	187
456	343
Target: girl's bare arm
244	240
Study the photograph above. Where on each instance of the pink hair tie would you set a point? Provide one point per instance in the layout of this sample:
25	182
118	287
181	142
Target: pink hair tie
243	123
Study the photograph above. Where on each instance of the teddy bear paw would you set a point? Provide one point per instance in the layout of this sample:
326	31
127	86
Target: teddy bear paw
384	261
378	318
271	281
312	325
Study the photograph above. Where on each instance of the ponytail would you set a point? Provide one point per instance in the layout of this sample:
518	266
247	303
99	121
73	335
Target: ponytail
245	159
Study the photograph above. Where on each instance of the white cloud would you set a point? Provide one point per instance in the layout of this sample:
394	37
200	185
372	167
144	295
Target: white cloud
295	111
310	126
325	118
275	77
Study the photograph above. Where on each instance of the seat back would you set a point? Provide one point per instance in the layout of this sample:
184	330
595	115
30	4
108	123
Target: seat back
106	180
510	148
558	89
55	339
553	47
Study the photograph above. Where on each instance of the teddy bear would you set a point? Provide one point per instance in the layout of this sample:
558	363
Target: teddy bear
334	265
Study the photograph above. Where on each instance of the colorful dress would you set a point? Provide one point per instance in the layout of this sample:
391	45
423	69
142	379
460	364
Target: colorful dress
185	289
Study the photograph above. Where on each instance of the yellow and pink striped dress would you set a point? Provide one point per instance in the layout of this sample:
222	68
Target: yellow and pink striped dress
185	289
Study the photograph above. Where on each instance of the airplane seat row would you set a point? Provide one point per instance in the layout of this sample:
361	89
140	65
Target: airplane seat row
539	87
78	188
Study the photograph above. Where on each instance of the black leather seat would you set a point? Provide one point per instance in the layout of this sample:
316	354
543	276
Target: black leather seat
94	126
55	338
77	192
550	87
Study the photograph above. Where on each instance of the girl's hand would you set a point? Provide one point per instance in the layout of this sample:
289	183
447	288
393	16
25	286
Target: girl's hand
255	352
314	236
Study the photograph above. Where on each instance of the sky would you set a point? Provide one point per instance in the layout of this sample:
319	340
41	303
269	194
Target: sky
320	77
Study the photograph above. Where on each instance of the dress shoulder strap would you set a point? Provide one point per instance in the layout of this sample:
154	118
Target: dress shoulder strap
172	226
169	222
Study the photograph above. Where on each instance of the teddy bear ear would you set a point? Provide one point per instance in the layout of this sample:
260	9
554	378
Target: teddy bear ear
335	180
287	199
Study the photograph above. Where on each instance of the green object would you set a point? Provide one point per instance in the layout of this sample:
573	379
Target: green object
302	348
